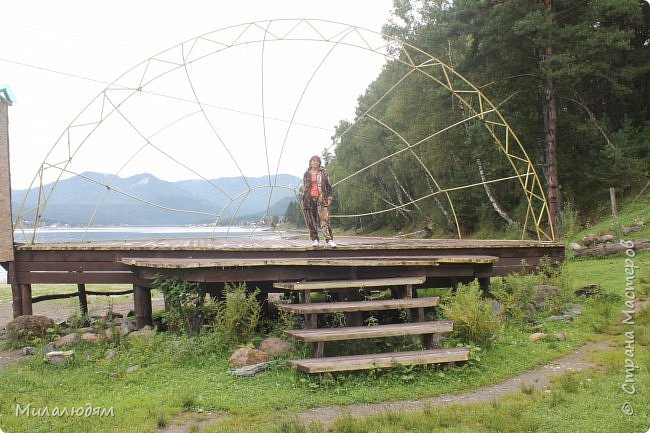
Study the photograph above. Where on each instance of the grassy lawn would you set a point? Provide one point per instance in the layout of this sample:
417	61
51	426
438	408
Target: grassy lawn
180	374
582	402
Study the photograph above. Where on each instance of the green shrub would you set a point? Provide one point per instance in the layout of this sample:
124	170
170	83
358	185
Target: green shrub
188	309
238	313
475	322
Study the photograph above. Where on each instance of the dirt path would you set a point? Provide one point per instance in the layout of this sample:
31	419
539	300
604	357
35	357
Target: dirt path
538	379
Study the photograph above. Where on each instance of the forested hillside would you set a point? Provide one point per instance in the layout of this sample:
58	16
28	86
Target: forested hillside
571	78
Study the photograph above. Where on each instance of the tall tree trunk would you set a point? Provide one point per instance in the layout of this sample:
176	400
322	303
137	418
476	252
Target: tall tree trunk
550	129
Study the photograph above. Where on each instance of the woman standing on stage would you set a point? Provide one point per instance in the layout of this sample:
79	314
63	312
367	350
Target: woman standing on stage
316	198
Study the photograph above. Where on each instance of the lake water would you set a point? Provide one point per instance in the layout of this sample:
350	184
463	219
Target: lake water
66	234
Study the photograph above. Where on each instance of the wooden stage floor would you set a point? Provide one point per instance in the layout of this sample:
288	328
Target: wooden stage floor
262	262
290	243
133	261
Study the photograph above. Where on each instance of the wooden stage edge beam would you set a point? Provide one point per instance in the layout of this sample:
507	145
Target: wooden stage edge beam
216	261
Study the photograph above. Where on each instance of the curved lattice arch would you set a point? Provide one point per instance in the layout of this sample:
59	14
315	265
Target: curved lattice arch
112	102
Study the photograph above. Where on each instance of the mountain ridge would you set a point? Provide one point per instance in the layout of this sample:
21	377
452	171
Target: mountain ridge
103	199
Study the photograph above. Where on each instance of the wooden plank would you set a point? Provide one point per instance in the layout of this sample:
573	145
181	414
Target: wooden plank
53	296
76	266
345	243
179	263
345	307
349	284
6	224
467	259
360	332
75	277
381	360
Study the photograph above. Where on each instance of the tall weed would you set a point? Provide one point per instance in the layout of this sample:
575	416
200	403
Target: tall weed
475	321
238	313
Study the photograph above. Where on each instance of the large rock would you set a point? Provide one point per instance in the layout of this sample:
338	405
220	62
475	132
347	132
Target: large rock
543	293
275	346
607	238
116	332
146	333
89	337
575	246
537	336
58	358
589	240
589	290
247	356
67	340
29	327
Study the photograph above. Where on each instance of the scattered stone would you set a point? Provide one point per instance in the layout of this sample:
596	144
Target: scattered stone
63	324
110	354
247	356
130	324
606	238
559	336
563	318
497	308
109	315
544	292
125	329
121	331
275	346
67	340
589	290
575	246
28	350
628	230
530	309
537	336
89	337
146	333
132	368
58	357
28	327
589	240
49	347
575	311
250	370
64	331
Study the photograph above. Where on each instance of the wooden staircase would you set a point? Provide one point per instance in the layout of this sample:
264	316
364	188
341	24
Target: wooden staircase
319	336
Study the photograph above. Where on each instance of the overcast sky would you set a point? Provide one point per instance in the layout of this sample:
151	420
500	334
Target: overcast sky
100	41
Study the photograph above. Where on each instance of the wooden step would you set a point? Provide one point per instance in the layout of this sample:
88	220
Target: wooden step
380	360
349	284
348	307
360	332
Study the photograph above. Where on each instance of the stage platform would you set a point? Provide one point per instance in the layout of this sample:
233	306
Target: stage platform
262	262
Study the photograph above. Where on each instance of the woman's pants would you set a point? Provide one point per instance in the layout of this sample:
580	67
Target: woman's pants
316	212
